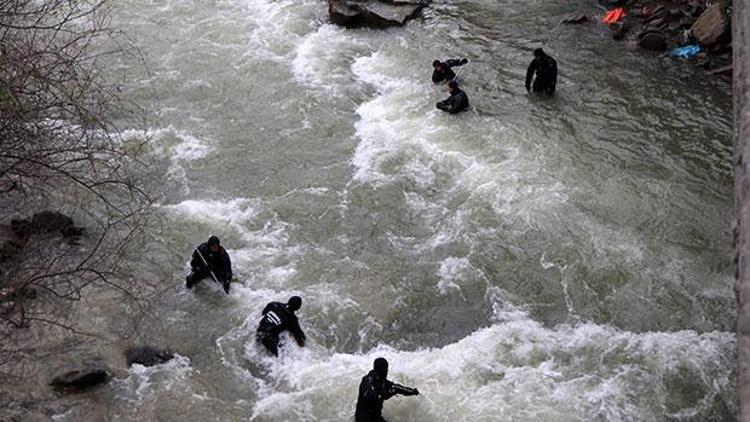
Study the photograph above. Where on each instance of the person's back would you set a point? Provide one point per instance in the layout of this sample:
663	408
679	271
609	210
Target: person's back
374	389
217	258
460	101
278	317
545	69
442	70
372	394
457	102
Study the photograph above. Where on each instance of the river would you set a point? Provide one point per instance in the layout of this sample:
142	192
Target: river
529	260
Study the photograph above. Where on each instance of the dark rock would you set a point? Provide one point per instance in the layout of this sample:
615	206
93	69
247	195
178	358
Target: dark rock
374	13
710	26
81	379
22	228
613	3
620	29
654	41
11	244
574	20
653	13
50	221
147	356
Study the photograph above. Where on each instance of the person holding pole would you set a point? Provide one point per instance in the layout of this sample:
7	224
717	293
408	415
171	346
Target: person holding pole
210	260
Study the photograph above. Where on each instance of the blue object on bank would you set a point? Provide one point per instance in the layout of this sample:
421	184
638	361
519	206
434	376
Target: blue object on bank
687	51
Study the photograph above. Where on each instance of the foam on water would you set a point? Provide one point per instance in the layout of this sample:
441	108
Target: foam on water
259	240
515	369
471	192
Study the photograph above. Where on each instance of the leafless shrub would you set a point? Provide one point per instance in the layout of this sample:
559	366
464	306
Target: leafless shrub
59	149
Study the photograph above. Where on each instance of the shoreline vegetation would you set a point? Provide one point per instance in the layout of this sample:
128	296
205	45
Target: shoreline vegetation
74	199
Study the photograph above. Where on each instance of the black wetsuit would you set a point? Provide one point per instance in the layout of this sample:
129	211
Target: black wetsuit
445	73
456	103
545	68
219	262
373	391
277	318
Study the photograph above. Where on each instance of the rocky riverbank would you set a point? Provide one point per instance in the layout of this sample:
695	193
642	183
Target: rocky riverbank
663	25
697	30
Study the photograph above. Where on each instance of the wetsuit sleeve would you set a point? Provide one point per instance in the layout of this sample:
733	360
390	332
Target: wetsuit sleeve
297	332
227	270
530	72
454	63
404	391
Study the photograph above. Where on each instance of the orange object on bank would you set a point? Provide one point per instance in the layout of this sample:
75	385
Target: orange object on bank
613	15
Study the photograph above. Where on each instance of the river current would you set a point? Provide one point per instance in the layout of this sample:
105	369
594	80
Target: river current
529	260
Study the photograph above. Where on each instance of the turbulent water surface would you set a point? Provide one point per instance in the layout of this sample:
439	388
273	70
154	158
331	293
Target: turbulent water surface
564	259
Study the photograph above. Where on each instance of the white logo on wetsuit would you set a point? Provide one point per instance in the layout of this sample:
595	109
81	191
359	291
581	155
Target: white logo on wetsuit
272	317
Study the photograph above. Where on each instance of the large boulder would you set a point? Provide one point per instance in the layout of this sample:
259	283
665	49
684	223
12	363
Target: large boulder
50	221
374	13
83	379
710	26
147	356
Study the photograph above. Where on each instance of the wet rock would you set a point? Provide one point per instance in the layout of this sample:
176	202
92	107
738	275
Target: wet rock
620	29
50	221
374	13
575	20
710	26
11	244
83	379
654	41
22	228
147	356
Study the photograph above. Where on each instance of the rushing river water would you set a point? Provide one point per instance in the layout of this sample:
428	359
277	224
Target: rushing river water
557	260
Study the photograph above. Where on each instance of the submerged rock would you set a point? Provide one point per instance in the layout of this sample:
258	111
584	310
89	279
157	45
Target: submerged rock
50	221
11	243
147	356
576	19
80	380
654	41
374	13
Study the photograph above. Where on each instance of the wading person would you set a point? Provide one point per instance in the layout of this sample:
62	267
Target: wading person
545	69
374	390
277	318
441	71
457	102
210	260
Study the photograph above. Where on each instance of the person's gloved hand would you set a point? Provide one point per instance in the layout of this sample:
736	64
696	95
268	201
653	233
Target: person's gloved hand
528	88
414	393
464	61
225	285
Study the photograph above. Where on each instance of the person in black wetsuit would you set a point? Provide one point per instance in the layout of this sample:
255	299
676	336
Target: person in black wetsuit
457	102
442	70
278	317
374	390
218	262
545	68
